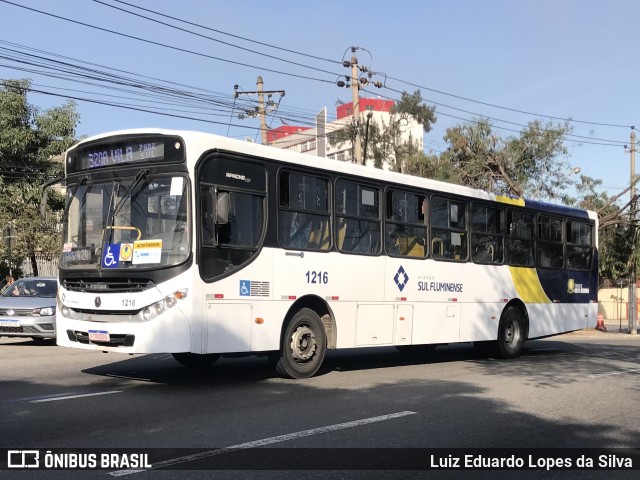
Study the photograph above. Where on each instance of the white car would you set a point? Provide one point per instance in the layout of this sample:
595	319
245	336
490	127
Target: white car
28	308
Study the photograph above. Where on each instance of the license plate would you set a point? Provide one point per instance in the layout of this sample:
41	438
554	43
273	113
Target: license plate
99	336
4	322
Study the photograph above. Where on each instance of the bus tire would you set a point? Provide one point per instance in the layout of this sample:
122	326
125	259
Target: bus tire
304	344
511	334
195	360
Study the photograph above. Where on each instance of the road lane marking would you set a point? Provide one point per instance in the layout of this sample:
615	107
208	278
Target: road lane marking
596	375
115	375
266	441
38	397
69	397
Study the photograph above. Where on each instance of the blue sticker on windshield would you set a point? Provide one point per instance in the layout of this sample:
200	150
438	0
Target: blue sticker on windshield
110	255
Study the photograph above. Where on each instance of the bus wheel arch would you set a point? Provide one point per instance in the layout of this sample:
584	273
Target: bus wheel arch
305	336
322	309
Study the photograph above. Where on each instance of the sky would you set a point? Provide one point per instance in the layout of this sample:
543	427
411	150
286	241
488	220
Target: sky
511	61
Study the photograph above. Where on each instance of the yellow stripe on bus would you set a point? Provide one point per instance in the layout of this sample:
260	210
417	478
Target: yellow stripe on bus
528	285
511	201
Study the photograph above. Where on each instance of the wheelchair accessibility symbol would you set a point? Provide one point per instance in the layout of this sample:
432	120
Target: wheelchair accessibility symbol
245	288
110	255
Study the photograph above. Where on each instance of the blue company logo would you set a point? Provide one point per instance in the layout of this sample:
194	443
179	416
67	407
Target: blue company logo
245	288
401	278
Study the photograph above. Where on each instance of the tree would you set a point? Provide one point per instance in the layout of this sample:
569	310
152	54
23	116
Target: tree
29	140
530	164
386	142
613	236
615	239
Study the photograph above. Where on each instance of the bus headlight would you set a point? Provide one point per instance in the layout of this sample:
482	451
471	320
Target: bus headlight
166	303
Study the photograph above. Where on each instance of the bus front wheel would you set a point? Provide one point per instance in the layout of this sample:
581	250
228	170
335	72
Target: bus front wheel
303	346
195	360
511	333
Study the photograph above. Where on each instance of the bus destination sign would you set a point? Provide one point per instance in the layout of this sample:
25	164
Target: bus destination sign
125	150
127	153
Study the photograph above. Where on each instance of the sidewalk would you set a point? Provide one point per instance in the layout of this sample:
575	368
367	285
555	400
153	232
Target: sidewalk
612	326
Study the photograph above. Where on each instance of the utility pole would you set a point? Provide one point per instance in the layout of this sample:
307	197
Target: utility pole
262	109
355	94
633	314
355	82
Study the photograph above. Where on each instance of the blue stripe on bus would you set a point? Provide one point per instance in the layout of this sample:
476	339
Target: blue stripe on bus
556	209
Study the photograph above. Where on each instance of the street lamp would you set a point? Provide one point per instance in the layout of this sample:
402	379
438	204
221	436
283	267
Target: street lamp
573	171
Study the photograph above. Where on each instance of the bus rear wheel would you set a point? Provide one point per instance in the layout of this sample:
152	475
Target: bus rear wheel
303	346
511	334
195	360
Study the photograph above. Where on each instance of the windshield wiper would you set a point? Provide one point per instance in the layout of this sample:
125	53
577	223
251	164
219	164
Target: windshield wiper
67	207
140	176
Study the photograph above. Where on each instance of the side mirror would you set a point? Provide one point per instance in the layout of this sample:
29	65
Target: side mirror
222	208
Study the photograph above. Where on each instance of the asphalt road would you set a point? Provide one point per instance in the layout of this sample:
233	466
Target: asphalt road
573	391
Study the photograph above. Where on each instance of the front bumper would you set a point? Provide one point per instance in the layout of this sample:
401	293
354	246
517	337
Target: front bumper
34	327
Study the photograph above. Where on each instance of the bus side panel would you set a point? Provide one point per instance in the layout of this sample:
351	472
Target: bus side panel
374	324
480	321
228	327
436	322
342	280
487	288
546	319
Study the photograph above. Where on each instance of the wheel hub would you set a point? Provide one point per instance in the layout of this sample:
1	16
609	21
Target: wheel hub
510	336
303	344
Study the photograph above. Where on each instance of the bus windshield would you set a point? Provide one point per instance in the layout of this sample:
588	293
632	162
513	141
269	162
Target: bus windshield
138	223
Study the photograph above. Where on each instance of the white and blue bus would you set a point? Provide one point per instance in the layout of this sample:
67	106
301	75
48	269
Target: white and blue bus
199	245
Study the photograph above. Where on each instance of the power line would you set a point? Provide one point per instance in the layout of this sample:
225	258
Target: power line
230	34
69	71
211	38
615	143
501	107
160	44
585	138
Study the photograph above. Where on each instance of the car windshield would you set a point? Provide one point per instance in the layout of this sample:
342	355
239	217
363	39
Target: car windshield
135	223
32	288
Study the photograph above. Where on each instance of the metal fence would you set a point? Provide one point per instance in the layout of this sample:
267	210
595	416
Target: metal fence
47	266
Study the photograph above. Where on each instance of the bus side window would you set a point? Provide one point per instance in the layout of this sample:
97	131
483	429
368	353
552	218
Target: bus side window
358	222
579	249
520	240
487	232
448	229
405	226
303	215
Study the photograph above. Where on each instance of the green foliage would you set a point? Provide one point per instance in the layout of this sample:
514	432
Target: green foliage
614	236
29	139
413	105
385	142
527	165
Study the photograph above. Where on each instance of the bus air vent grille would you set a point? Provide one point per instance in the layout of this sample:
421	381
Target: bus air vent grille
107	285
